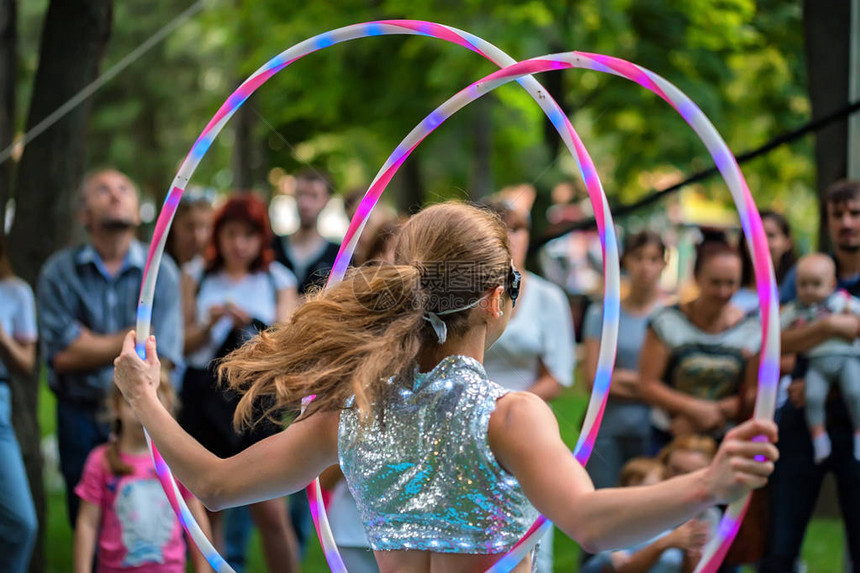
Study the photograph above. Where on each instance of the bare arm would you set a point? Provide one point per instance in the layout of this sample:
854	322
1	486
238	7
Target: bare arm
802	338
288	300
652	366
86	536
524	438
283	463
546	386
197	560
88	351
625	383
17	356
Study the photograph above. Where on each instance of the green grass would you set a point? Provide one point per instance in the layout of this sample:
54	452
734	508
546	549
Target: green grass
822	549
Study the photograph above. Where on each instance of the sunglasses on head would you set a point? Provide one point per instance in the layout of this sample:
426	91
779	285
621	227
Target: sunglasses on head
514	280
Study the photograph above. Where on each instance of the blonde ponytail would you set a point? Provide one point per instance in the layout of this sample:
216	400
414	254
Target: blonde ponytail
361	336
346	341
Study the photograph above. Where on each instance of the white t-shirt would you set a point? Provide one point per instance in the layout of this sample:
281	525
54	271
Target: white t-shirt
345	520
256	294
541	329
17	313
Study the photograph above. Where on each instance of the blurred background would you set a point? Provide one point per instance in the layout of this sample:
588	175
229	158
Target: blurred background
131	83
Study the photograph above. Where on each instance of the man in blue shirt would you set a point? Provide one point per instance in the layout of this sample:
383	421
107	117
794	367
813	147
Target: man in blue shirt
796	482
87	301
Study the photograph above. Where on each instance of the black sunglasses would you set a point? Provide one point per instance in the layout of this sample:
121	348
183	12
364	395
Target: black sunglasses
514	280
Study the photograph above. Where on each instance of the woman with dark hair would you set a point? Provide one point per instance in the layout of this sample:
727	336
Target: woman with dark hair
18	524
240	291
191	230
695	355
625	432
779	242
782	254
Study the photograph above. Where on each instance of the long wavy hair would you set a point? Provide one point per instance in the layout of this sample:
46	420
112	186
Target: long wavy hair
354	338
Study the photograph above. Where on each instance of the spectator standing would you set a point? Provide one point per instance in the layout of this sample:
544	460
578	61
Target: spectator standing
625	433
306	252
241	291
695	355
536	351
779	242
191	230
18	522
797	478
87	300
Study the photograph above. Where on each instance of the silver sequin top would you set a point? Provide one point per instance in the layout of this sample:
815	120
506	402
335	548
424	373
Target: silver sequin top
425	477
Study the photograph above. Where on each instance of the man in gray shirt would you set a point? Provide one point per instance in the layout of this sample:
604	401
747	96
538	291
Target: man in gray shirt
87	300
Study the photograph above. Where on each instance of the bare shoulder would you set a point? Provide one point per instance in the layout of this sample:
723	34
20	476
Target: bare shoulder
521	427
325	422
520	414
319	429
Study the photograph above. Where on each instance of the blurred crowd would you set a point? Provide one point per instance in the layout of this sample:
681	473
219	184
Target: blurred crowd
685	370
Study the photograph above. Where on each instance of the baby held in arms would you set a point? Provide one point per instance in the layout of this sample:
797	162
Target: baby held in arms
836	360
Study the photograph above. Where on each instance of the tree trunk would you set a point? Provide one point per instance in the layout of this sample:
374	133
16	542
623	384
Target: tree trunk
554	85
8	70
246	152
74	37
482	171
827	27
410	187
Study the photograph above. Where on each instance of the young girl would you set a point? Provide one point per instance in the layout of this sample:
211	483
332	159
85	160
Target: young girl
124	512
448	469
675	551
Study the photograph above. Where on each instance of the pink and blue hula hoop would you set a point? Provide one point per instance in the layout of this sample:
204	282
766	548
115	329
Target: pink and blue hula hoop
750	219
201	146
768	373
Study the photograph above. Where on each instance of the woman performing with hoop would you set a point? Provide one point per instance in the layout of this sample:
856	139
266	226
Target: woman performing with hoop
449	470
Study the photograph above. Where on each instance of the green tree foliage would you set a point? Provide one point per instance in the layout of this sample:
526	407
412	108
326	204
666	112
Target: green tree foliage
345	108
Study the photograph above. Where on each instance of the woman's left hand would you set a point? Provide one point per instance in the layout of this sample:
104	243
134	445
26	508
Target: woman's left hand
134	376
744	461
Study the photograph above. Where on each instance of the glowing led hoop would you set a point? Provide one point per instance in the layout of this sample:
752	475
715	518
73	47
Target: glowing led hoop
201	146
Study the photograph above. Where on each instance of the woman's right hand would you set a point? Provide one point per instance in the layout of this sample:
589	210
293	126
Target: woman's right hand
134	376
743	462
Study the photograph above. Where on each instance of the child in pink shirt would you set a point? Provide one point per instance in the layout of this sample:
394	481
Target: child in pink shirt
124	509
